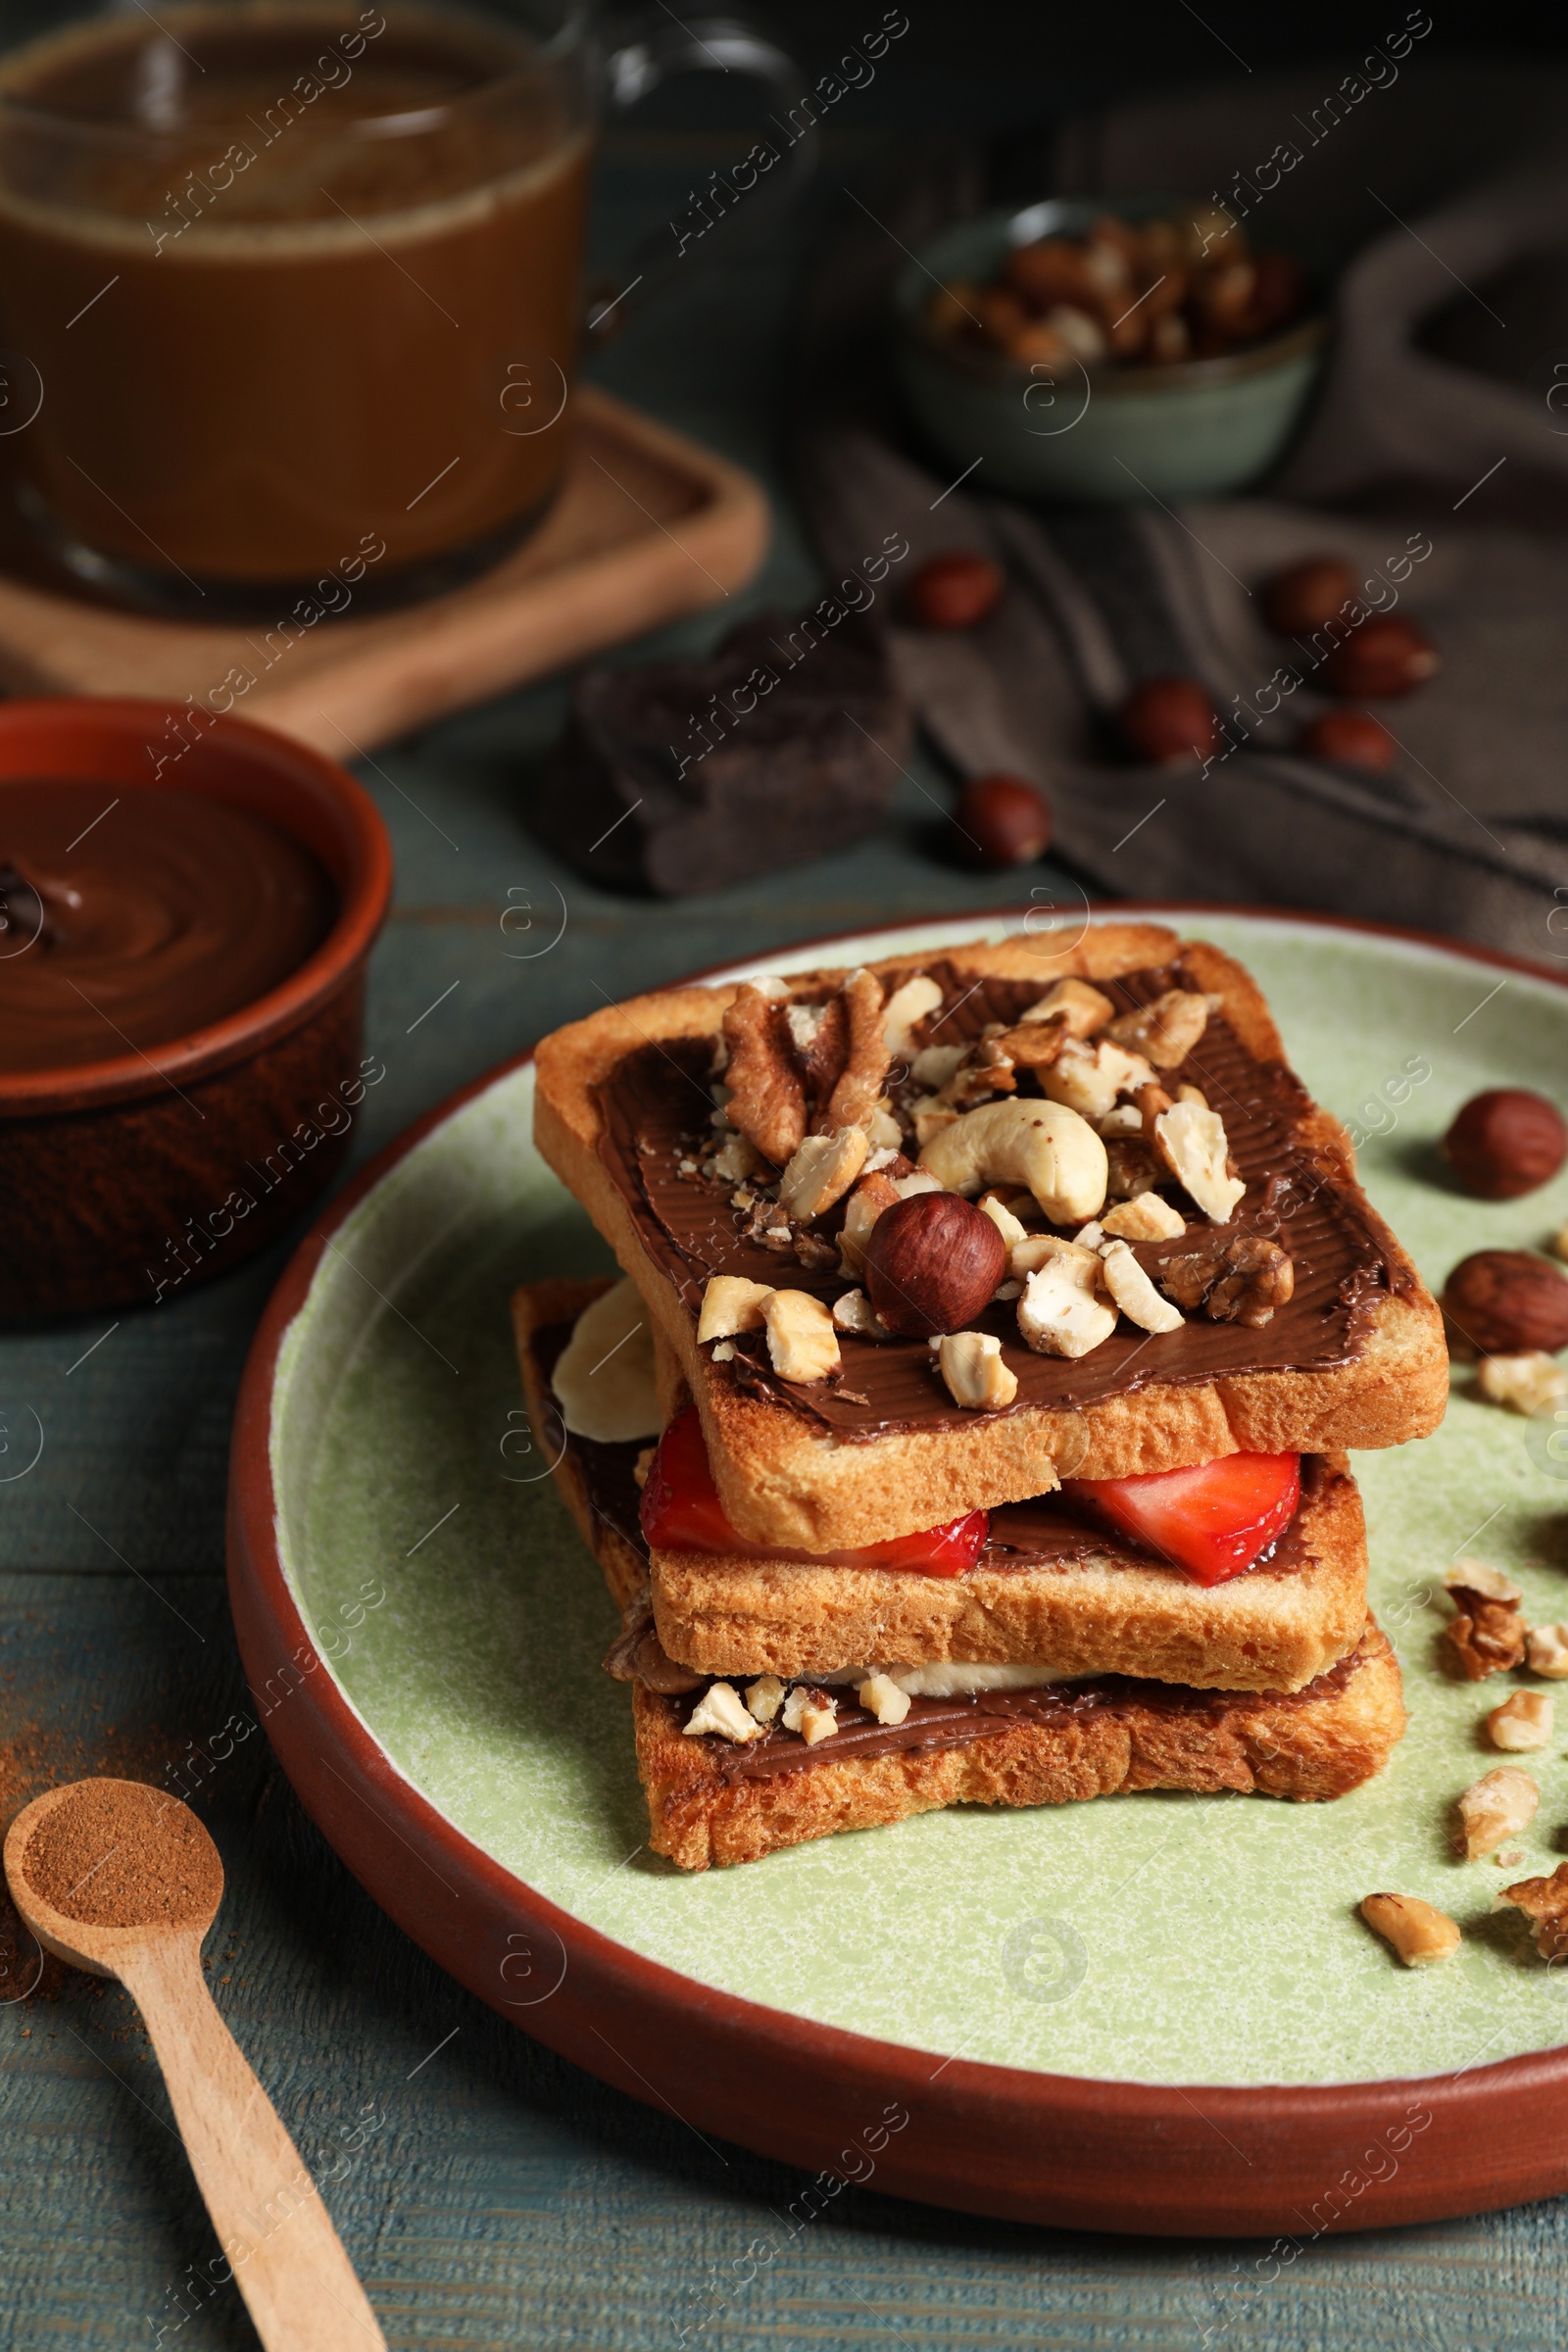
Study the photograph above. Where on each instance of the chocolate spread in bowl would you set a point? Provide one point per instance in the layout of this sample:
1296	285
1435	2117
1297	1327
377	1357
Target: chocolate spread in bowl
655	1108
139	916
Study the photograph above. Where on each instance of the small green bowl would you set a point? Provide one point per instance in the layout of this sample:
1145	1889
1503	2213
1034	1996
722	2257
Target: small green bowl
1199	429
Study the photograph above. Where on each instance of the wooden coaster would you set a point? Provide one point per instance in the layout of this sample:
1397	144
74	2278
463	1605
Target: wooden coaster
648	526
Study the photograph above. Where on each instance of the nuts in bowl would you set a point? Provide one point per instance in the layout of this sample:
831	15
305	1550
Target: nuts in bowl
1110	350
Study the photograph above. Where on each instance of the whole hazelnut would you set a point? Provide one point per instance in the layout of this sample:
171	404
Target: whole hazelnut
1170	721
934	1262
1384	656
1504	1302
1348	739
1304	597
952	592
1002	821
1504	1143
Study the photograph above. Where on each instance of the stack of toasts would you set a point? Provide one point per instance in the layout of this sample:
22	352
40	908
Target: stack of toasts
1002	1319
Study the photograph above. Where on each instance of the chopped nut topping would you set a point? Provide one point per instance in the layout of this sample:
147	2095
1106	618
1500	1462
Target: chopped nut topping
734	1160
881	1697
720	1711
1166	1031
807	1712
1545	1904
971	1363
764	1698
730	1304
859	1089
1193	1146
870	1197
1522	1721
1193	1094
1479	1575
883	1132
801	1338
1124	1278
1548	1651
821	1171
1488	1636
1418	1934
1531	1384
1499	1805
642	1465
1089	1079
930	1118
1060	1314
768	1095
909	1005
1005	1223
1083	1008
723	1352
934	1065
1239	1278
1131	1167
1144	1218
853	1313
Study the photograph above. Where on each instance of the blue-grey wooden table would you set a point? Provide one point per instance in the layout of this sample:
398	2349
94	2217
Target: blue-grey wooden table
489	2193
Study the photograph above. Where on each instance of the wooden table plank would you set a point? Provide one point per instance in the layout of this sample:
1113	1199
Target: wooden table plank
499	2197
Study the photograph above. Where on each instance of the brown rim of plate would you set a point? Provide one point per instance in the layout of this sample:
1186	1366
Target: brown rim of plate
1296	2161
72	734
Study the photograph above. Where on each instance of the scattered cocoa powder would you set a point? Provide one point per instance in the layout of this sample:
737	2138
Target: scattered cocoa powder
119	1854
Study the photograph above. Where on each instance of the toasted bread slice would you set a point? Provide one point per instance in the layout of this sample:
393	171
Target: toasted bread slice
1317	1743
1095	1607
1103	1608
789	1468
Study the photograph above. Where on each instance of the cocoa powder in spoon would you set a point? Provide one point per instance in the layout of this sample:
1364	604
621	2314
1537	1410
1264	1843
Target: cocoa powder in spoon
117	1854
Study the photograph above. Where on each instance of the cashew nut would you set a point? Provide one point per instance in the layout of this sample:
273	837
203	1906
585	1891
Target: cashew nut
821	1171
1060	1314
1042	1144
1082	1008
971	1363
1191	1142
1124	1278
731	1304
904	1009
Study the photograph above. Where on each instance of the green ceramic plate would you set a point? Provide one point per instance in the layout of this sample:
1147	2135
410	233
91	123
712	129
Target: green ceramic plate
1160	1938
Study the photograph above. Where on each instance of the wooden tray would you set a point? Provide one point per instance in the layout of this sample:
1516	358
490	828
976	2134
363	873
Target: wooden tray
648	526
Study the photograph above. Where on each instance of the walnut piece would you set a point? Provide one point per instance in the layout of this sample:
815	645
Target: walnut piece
1166	1031
1532	1384
971	1363
1418	1934
768	1094
1522	1721
801	1338
1545	1904
821	1171
722	1711
1488	1636
860	1088
1496	1807
1146	1217
1236	1278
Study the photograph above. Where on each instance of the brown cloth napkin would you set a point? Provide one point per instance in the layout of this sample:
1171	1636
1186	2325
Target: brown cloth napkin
1469	834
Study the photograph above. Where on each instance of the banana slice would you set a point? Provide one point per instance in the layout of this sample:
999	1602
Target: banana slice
604	1376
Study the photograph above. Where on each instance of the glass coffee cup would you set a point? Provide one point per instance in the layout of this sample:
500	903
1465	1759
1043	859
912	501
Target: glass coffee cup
293	289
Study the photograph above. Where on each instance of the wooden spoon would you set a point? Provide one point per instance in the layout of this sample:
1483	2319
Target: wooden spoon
284	2254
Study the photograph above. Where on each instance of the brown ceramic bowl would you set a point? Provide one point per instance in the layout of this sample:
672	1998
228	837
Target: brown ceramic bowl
125	1180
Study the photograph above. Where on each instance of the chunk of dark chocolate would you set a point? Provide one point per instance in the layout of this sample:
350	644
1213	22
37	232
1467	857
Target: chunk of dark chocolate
691	775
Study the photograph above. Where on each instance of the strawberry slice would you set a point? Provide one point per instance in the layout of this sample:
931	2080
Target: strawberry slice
1213	1520
681	1512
